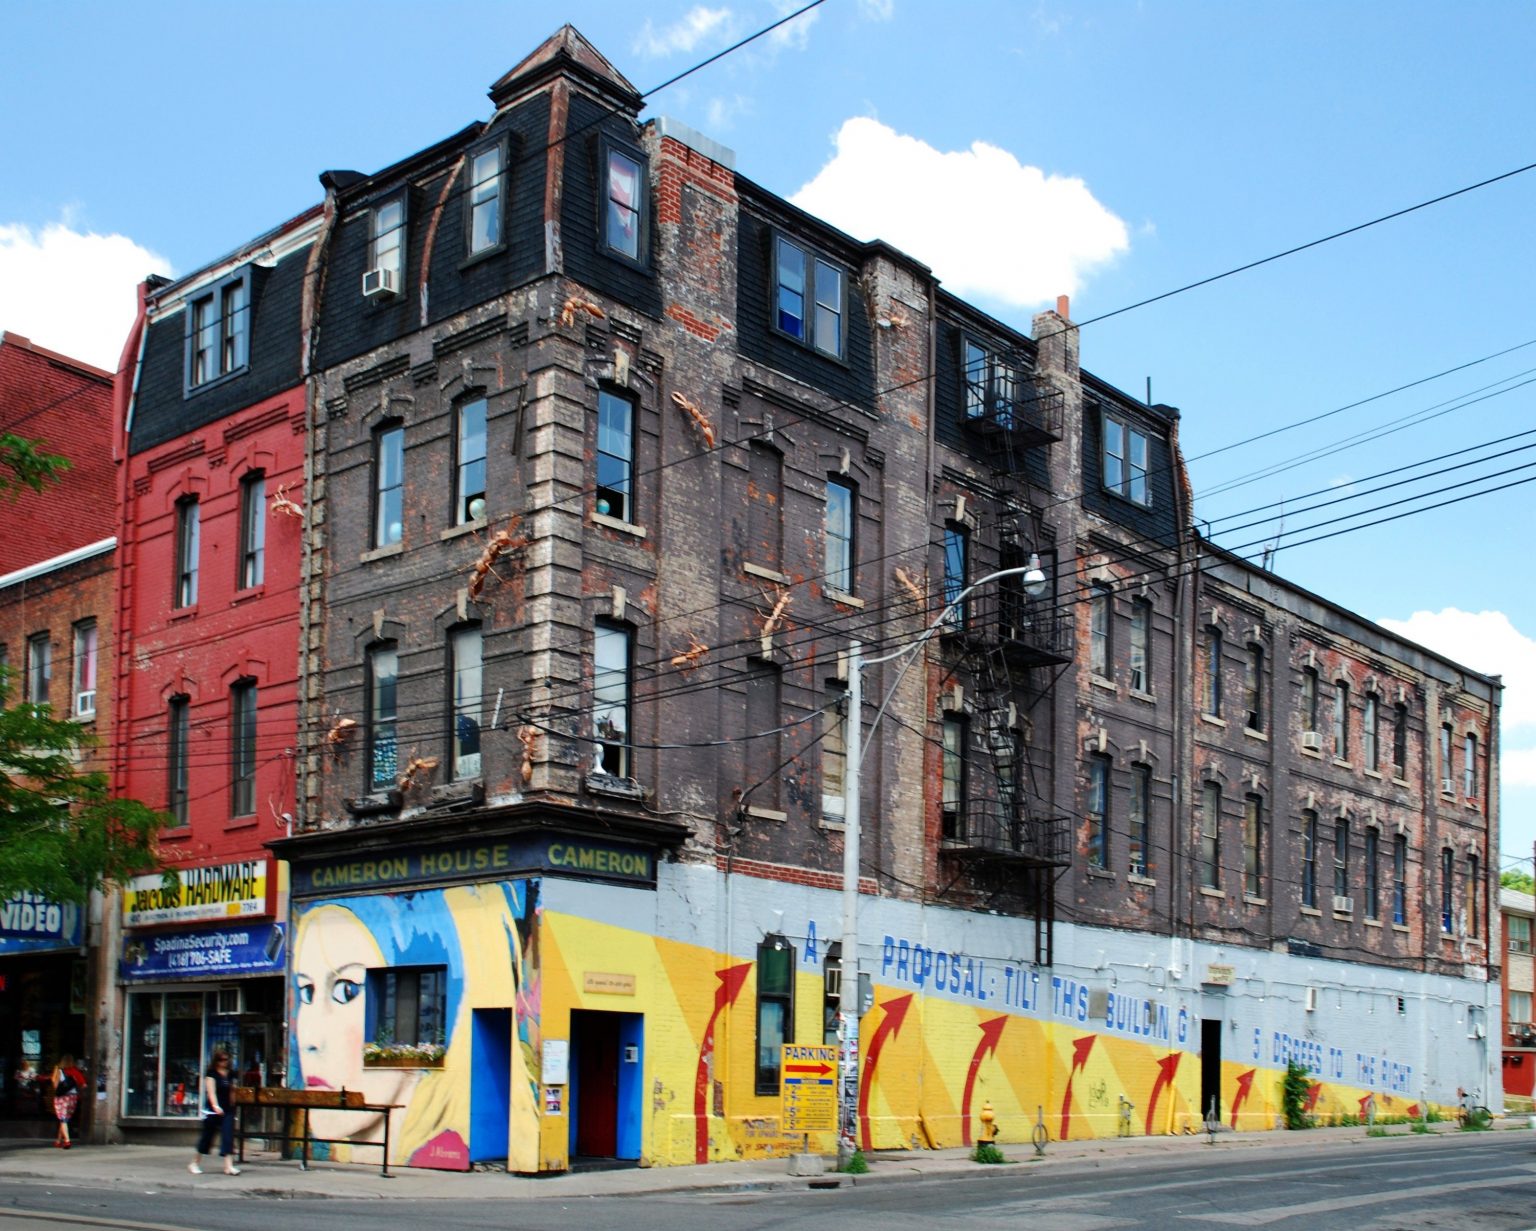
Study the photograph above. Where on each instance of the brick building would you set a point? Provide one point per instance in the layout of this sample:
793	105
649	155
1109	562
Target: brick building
1516	911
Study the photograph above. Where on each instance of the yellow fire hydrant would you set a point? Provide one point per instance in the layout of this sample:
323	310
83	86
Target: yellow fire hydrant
989	1125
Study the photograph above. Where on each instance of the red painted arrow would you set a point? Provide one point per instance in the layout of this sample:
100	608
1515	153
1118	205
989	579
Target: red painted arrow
1080	1049
731	980
895	1013
1313	1091
1166	1067
991	1032
823	1069
1365	1105
1244	1084
1413	1111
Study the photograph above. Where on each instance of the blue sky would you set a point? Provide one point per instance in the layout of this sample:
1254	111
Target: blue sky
1111	151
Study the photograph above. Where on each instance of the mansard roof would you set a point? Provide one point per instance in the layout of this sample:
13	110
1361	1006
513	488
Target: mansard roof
567	52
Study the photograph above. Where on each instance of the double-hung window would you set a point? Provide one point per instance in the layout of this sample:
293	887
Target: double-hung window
188	534
1141	645
1253	689
957	554
1098	812
1399	879
612	697
388	484
242	761
1212	698
1309	859
1372	873
615	455
219	332
386	246
839	535
952	785
39	668
1125	460
1099	615
1473	887
1309	699
1447	890
809	298
485	190
834	751
1400	740
1341	721
465	646
1210	836
1341	859
178	727
1370	733
1469	767
977	368
383	716
253	530
624	200
84	689
1253	847
469	462
1141	820
775	1009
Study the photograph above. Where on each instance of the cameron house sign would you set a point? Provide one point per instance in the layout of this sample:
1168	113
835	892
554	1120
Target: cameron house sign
474	860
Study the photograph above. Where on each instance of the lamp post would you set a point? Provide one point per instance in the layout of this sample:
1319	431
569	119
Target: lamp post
1035	584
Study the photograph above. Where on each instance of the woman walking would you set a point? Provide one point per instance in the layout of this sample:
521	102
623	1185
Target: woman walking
67	1080
218	1115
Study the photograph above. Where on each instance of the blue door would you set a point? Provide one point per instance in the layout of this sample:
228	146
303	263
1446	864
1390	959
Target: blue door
490	1090
631	1084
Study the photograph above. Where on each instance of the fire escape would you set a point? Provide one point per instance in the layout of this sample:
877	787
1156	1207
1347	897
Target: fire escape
1007	645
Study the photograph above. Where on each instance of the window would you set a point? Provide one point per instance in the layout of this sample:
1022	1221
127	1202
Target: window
469	463
957	567
218	332
991	385
39	668
1309	699
1372	885
1400	740
242	761
485	200
408	1004
1517	935
1447	783
386	244
383	715
1098	812
187	535
1309	859
1099	614
1341	859
775	1008
831	993
1253	688
1447	890
1341	721
765	760
801	279
1469	767
611	697
977	368
1520	1002
765	505
1473	913
1141	820
464	743
1125	460
1211	702
177	730
1369	732
839	531
953	786
388	485
624	219
1141	645
85	669
1253	846
1399	879
253	530
834	750
1210	836
615	455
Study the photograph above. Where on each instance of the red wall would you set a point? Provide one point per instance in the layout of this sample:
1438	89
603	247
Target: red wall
227	636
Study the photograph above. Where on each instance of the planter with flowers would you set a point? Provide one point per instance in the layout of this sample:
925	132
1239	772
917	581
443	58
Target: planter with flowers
403	1055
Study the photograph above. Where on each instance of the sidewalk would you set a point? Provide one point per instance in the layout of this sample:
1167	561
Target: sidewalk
164	1168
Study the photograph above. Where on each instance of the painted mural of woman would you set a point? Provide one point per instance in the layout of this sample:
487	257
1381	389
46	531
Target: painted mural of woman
474	936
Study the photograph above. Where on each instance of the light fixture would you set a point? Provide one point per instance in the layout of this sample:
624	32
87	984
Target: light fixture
1035	582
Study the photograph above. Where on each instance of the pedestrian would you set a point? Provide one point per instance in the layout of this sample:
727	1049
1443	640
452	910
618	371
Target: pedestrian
67	1081
218	1115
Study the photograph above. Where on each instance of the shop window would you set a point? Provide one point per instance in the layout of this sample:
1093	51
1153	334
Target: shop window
775	1008
164	1053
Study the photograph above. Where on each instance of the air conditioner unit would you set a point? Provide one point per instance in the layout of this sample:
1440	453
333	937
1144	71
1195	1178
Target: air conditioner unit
380	283
230	1002
1343	906
1447	786
832	988
1311	741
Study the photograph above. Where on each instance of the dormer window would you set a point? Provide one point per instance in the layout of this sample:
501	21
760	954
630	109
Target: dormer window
809	298
991	384
1125	460
219	332
485	189
624	204
385	275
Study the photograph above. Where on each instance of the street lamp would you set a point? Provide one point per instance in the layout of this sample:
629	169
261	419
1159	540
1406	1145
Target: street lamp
1035	584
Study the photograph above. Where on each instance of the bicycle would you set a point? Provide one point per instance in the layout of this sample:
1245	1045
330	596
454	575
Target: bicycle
1472	1117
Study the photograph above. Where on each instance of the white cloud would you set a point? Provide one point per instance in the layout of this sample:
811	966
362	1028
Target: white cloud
698	24
1486	641
722	112
877	10
986	223
794	35
72	291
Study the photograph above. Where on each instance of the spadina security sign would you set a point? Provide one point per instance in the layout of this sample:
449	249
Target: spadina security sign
218	892
253	949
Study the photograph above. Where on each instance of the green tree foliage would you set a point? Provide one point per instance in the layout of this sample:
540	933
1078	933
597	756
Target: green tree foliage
24	464
62	833
1294	1086
1522	882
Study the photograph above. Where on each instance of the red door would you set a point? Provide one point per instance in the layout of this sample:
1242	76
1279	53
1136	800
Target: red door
595	1040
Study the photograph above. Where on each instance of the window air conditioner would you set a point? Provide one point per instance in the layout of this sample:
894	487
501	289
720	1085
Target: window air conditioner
833	983
1447	786
1477	1031
230	1002
85	702
1343	906
379	283
1311	741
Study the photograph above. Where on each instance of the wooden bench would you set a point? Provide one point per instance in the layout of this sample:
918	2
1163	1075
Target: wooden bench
259	1097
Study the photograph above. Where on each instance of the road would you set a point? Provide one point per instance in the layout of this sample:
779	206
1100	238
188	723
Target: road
1450	1183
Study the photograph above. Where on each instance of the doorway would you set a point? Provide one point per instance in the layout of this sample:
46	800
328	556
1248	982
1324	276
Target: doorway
607	1061
1210	1066
490	1094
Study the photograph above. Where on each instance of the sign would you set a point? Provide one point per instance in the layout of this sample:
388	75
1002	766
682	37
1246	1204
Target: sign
1220	975
608	985
219	891
475	860
250	949
807	1088
556	1062
552	1100
30	924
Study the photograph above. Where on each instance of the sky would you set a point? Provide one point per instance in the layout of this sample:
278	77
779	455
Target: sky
1110	150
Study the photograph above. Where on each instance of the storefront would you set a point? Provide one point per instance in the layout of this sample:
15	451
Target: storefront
44	1009
201	970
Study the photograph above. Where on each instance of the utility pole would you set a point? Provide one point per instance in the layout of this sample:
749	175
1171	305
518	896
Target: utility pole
848	1006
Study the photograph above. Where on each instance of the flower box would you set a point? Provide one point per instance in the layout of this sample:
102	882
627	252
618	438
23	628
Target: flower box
403	1055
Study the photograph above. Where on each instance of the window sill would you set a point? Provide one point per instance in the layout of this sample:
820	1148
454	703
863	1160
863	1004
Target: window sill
182	613
1250	900
1138	695
1341	763
248	596
457	532
1344	914
834	824
1108	685
1213	720
1255	733
1400	927
600	783
767	574
485	254
1208	892
381	553
240	822
1312	911
1372	773
767	814
613	523
1402	782
1100	874
1312	752
1371	923
847	600
1473	806
84	720
1135	878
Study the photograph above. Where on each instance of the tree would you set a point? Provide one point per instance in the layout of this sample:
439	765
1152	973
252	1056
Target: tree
24	464
1523	882
62	833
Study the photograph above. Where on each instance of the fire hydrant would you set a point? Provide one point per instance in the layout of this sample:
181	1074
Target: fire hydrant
989	1126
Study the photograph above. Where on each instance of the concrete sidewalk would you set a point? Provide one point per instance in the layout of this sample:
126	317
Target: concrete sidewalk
164	1168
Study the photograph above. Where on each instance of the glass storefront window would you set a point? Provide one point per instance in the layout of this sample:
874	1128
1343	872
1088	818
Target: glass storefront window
170	1036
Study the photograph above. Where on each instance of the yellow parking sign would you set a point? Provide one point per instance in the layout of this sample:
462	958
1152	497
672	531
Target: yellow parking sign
807	1088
